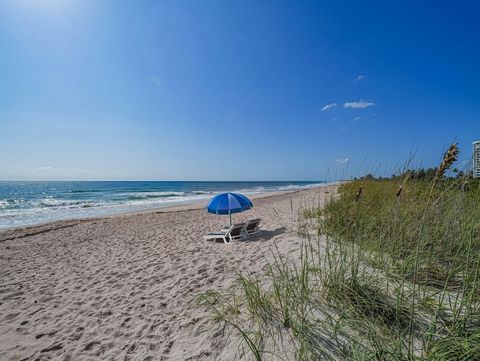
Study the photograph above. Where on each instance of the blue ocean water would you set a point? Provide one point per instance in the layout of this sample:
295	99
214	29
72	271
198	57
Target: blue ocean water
27	203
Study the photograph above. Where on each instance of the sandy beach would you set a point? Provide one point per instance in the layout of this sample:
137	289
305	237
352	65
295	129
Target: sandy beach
121	287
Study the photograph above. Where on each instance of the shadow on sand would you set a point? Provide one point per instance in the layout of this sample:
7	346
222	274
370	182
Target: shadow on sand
266	235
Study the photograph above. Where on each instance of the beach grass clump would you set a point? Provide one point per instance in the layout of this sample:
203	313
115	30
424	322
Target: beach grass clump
392	273
422	248
429	233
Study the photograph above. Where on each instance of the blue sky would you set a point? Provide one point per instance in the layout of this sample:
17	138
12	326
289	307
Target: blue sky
234	90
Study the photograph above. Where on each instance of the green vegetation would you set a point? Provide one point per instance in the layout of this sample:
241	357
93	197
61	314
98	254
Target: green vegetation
389	270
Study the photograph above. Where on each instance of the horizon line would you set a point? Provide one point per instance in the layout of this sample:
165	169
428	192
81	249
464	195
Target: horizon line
151	180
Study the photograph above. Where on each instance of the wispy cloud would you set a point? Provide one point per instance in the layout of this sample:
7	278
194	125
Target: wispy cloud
360	104
356	119
156	80
46	168
342	161
329	106
360	77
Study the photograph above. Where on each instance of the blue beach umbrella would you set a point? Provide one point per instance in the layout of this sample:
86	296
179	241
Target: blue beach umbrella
228	203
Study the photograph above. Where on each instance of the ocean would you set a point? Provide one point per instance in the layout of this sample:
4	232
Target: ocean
28	203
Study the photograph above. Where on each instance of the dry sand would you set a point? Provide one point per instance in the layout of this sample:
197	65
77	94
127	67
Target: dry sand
121	288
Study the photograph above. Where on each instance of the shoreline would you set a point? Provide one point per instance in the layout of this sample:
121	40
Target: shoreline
194	205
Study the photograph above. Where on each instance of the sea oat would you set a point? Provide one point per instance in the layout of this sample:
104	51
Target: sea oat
399	191
449	158
359	193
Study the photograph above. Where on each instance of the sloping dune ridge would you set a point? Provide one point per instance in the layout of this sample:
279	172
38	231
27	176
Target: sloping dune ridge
121	288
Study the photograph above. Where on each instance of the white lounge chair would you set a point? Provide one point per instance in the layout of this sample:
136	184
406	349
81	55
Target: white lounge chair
234	233
252	227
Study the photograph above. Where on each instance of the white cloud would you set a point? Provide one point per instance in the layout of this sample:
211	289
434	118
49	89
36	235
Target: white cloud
46	168
356	119
360	77
342	161
360	104
329	106
156	80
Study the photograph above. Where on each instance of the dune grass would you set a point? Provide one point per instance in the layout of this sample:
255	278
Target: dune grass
390	272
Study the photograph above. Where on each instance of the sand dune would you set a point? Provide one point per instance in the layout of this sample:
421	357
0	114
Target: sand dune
121	288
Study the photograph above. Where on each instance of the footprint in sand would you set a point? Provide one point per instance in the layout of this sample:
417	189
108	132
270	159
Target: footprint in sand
11	316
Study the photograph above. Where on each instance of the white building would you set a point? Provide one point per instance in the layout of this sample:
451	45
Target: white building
476	159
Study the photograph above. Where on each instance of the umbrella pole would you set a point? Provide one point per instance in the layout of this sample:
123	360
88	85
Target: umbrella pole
230	214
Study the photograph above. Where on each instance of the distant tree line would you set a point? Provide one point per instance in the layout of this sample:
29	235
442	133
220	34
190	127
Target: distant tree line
418	174
443	172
